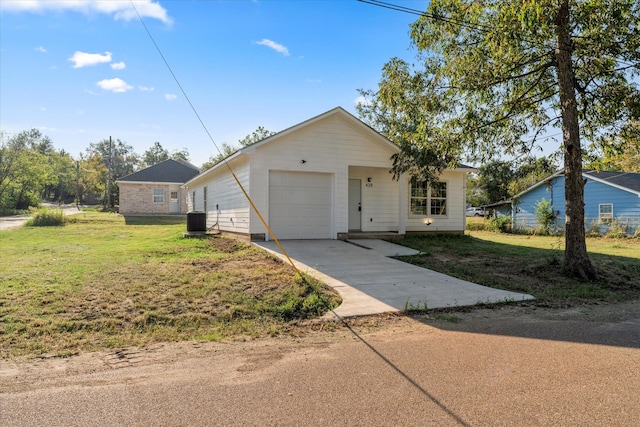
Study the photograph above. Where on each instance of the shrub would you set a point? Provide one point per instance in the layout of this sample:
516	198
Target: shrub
499	224
617	231
46	218
545	217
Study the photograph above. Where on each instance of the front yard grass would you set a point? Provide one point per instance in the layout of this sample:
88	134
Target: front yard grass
533	265
100	282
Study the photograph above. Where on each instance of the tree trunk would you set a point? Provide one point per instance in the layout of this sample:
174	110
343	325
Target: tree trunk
576	259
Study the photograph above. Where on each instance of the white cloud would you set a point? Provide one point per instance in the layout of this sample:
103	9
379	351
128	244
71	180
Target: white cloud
275	46
146	88
119	9
41	49
83	59
118	66
170	96
114	85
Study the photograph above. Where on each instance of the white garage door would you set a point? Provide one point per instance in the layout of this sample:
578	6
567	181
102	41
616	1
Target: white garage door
300	205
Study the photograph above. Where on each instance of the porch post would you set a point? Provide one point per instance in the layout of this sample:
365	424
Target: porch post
402	205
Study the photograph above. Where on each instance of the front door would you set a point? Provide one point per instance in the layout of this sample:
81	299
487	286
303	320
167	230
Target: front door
355	205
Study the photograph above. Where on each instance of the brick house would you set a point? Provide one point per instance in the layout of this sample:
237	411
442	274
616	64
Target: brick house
156	189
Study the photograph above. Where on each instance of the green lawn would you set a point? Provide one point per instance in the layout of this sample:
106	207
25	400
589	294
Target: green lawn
102	282
533	264
99	282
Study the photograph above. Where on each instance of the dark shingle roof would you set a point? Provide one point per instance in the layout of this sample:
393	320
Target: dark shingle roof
171	170
622	179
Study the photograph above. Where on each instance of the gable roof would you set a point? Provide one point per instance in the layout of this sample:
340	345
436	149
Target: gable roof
171	170
339	111
623	180
354	121
335	111
626	181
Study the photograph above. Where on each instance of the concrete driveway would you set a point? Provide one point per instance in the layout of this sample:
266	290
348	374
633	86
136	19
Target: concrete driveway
370	282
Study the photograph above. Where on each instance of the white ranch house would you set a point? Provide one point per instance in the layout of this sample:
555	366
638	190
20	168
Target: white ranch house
325	178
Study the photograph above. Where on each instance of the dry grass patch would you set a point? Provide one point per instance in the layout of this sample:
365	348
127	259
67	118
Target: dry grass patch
100	283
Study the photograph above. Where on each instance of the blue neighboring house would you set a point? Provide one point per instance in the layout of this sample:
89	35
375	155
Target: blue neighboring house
608	196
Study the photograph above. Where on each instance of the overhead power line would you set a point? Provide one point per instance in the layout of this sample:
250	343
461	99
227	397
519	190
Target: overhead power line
404	9
195	112
486	29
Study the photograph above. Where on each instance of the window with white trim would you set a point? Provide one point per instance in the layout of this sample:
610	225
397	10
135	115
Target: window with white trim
158	195
605	212
174	196
428	199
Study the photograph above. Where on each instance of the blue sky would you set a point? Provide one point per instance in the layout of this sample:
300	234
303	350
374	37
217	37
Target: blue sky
81	71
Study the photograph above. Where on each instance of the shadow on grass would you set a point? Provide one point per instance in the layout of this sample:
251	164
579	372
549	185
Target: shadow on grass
155	219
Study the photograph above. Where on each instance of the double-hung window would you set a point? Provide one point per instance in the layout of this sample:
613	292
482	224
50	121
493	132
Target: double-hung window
428	199
158	195
605	212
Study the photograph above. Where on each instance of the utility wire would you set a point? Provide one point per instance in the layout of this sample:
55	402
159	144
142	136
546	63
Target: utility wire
486	29
477	27
195	112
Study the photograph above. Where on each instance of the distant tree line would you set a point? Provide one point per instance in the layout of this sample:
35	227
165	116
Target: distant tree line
32	169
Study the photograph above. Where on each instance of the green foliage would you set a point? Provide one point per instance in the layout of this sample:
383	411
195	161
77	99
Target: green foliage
494	178
107	161
155	154
158	153
31	169
499	224
419	307
493	77
46	218
498	179
545	217
256	136
617	230
227	150
619	152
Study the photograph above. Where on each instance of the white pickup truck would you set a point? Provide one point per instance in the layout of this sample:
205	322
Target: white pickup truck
476	212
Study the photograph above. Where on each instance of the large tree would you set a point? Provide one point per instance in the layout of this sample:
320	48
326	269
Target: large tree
155	154
25	169
495	75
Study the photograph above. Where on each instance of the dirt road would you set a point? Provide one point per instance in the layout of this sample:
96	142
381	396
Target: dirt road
516	366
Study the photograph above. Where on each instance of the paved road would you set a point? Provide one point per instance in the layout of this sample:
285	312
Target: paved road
405	373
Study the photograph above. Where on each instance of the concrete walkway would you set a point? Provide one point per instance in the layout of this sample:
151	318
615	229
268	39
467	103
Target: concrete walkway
370	282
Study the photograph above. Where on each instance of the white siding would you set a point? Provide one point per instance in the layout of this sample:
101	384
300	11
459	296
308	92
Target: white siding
455	218
330	145
380	198
227	208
